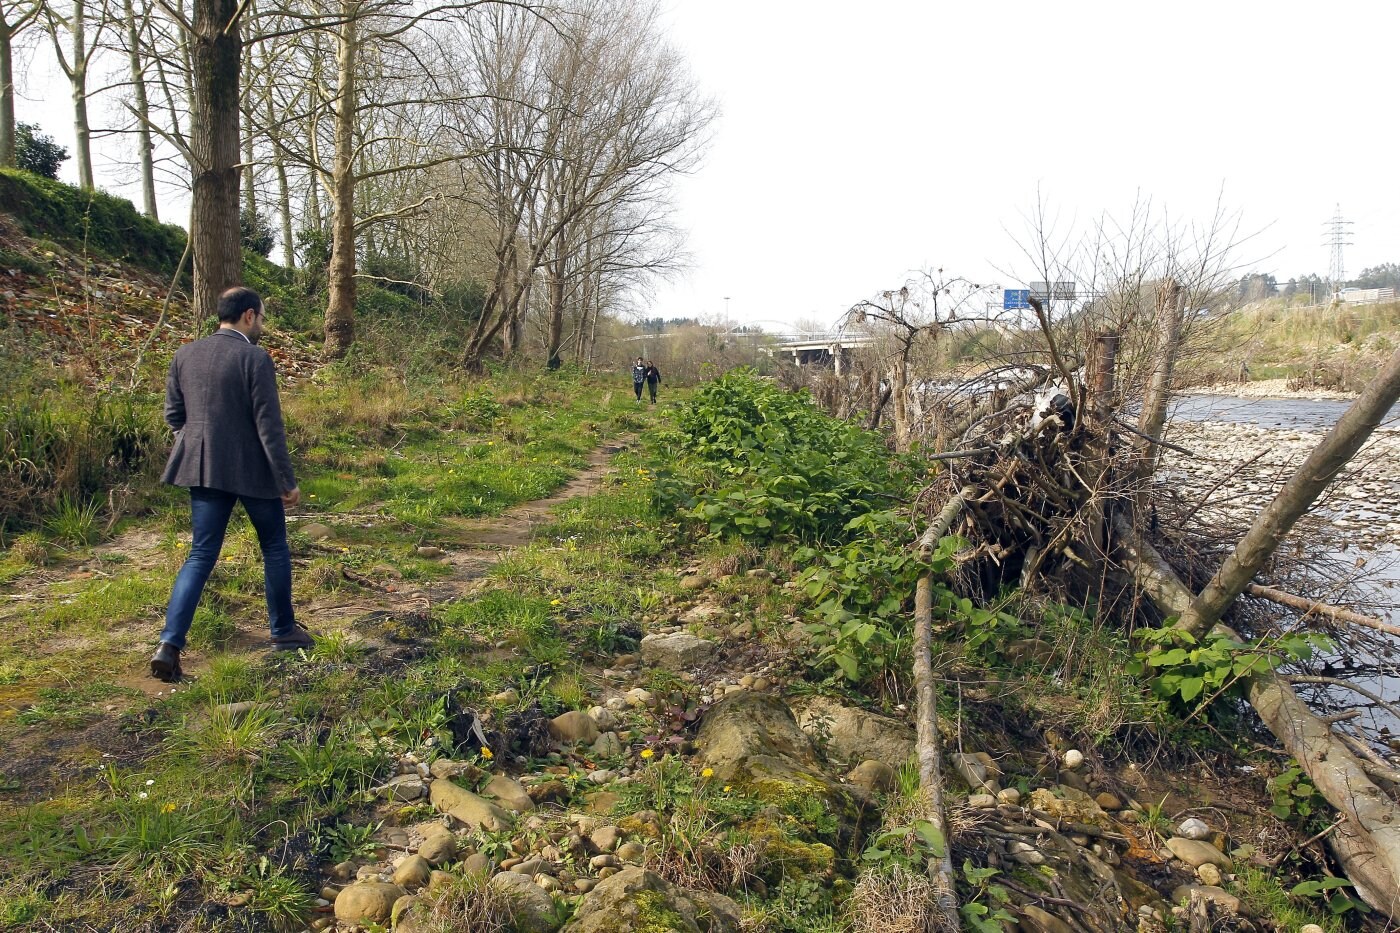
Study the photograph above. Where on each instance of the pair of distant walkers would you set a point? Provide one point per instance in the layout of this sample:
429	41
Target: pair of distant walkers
230	447
645	374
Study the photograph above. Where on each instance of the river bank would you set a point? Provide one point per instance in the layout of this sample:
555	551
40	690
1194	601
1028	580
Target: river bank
1242	464
1267	388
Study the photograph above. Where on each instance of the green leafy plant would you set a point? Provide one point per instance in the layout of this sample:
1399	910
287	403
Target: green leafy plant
1193	671
984	910
347	841
910	847
1329	890
1293	794
766	465
860	589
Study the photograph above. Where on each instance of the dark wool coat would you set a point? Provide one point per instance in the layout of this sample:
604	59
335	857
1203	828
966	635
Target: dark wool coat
221	401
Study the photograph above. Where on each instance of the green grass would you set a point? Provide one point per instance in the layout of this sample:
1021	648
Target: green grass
228	788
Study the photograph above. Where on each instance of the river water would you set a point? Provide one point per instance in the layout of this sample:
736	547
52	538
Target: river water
1225	431
1296	414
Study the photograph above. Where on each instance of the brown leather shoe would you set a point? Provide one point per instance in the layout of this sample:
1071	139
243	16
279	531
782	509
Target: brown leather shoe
165	665
297	638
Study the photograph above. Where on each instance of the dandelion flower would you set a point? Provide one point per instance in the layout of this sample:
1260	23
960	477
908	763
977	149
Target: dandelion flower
727	788
708	773
555	602
486	753
647	753
167	808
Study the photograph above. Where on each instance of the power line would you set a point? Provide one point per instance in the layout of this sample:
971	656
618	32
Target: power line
1337	234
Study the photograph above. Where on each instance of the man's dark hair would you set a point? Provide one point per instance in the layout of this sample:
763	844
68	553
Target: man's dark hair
234	301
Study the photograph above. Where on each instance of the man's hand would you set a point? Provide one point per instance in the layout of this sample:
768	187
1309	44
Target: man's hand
290	499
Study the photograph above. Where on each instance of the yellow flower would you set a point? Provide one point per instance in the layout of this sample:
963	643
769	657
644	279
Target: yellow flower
647	753
167	808
708	773
726	788
555	602
486	753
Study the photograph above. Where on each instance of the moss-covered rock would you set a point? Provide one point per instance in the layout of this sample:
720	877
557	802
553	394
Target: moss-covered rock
638	901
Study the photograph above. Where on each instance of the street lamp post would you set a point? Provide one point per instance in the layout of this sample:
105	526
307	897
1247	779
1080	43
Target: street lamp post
726	307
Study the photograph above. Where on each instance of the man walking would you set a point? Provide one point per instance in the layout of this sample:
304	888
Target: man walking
639	378
230	446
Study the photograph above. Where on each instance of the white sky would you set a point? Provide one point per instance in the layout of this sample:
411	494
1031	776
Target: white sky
861	141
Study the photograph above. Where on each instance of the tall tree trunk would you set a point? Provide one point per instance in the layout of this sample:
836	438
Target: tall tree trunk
7	92
144	148
1294	499
250	195
77	80
284	193
555	334
340	307
83	145
215	53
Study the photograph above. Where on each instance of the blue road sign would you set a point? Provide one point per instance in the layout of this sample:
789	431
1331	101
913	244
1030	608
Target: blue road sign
1015	299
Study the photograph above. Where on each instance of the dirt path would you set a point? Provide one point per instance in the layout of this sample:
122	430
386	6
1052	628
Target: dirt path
40	756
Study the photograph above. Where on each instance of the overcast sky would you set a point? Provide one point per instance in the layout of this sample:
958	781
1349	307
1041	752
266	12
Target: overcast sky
861	141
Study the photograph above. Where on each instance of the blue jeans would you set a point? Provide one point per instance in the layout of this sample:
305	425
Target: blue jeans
209	514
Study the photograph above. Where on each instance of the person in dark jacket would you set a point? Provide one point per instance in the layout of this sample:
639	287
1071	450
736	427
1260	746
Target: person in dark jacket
653	378
639	377
230	447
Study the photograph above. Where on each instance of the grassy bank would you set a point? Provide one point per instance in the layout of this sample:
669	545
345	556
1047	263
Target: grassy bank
1318	347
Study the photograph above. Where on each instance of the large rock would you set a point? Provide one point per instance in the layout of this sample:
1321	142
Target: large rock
1195	852
752	739
532	909
679	651
854	735
467	808
1218	896
1038	920
749	733
367	902
573	726
509	792
637	901
1069	805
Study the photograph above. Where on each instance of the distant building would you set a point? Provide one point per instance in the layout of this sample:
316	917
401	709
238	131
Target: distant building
1366	296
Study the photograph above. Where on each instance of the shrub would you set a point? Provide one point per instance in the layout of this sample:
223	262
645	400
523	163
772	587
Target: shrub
37	153
768	465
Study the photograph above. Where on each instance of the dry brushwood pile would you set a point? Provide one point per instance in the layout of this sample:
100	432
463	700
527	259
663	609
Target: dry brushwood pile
1051	484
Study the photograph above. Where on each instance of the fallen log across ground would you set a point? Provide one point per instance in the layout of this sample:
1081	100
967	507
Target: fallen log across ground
927	745
1367	842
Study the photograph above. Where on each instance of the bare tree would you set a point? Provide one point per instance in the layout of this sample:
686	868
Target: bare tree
571	125
74	49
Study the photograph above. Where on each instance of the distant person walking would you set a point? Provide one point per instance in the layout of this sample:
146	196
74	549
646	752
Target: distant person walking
653	378
639	378
230	446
